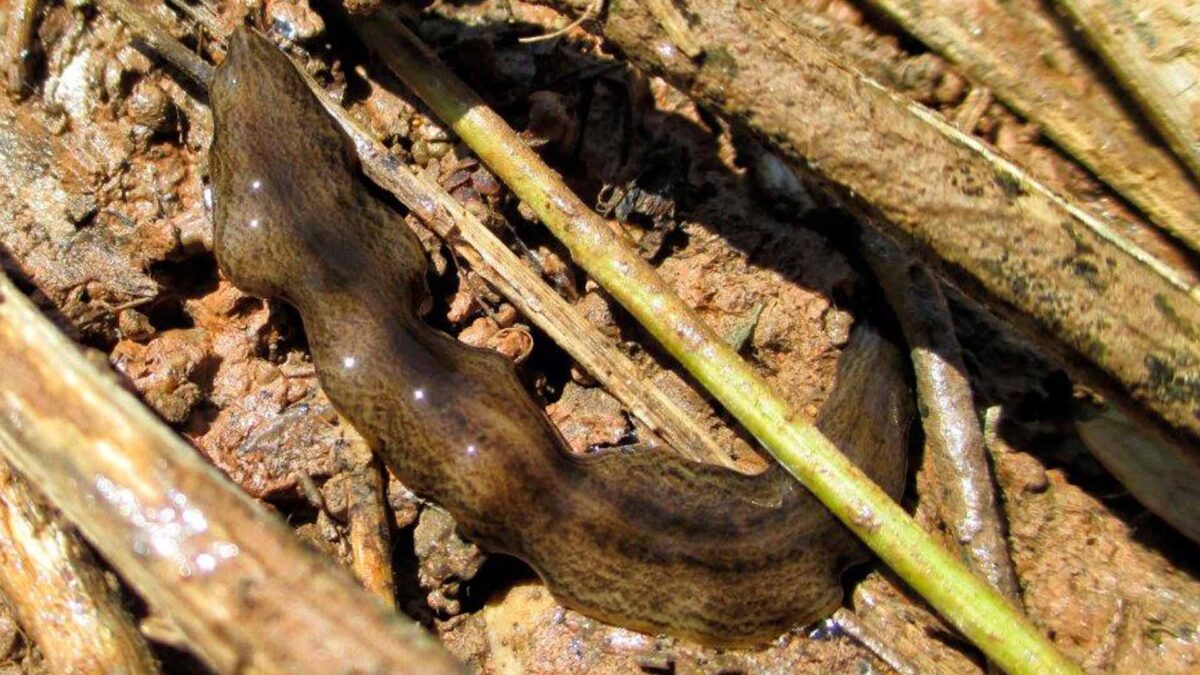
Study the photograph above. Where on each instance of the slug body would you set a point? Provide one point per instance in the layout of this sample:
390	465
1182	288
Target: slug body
642	539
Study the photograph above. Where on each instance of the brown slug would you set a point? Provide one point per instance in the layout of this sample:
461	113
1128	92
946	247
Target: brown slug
643	539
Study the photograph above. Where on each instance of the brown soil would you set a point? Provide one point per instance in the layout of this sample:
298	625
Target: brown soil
104	222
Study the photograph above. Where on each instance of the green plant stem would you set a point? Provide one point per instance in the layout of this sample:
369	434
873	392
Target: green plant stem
998	629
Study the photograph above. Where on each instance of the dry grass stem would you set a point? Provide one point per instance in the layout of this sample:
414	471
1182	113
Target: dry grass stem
370	528
18	38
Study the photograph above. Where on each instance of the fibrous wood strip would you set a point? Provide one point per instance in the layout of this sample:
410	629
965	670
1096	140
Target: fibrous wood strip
1027	59
1154	48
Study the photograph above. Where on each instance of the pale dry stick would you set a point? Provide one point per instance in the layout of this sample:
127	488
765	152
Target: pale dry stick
780	183
18	36
370	530
1026	58
246	593
202	14
500	267
988	621
1154	48
966	496
59	594
1117	318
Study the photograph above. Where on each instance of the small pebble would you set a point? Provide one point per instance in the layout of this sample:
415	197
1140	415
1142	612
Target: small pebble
515	343
425	152
335	493
150	107
485	183
506	315
134	325
837	326
479	332
404	504
951	89
526	211
463	305
429	131
80	207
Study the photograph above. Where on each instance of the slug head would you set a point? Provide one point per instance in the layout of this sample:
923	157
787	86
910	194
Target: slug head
288	203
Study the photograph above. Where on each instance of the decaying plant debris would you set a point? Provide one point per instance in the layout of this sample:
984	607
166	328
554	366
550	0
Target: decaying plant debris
242	591
1118	318
1027	59
105	224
